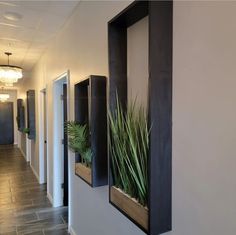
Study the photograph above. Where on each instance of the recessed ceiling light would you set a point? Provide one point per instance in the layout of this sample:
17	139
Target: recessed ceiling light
7	4
13	16
10	25
10	39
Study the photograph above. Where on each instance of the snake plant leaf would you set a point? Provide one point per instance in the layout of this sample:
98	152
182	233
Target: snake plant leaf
129	149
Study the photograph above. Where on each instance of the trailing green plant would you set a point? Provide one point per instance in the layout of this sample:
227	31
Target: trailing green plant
78	139
129	150
26	130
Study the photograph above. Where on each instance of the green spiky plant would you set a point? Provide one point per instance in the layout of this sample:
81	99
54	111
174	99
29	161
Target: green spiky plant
129	150
26	130
78	139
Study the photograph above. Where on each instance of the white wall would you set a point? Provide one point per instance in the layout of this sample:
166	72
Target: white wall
31	82
137	62
204	55
204	153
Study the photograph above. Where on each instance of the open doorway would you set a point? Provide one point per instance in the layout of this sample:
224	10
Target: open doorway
65	142
60	146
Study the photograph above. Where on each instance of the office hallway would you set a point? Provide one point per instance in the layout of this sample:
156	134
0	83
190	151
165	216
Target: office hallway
24	206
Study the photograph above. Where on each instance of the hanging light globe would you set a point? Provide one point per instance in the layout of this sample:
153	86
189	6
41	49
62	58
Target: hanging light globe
10	73
9	84
4	97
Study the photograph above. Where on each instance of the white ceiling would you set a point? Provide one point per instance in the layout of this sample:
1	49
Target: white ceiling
28	38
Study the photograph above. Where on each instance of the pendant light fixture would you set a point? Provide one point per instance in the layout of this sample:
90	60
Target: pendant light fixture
9	84
4	96
10	74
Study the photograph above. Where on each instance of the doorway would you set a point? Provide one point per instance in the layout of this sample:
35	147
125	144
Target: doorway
6	123
60	146
65	142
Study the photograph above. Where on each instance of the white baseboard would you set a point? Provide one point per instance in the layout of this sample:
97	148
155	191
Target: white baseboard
42	181
50	197
35	173
71	231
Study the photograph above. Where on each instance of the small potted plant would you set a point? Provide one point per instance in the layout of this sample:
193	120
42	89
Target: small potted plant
129	151
26	130
78	139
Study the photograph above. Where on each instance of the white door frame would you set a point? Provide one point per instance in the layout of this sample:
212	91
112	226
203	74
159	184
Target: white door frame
58	151
42	137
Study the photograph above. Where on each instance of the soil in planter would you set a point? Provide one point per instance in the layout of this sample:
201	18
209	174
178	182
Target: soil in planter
84	172
130	206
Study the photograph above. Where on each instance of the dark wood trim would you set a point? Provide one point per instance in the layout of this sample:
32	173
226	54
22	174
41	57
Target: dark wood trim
131	14
20	115
160	111
31	114
160	99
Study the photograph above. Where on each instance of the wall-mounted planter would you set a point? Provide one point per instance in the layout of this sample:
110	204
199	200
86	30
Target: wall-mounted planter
157	218
84	172
20	115
90	109
130	206
31	113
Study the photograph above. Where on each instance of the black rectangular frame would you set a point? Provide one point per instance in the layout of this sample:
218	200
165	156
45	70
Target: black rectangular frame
93	103
31	114
160	15
20	115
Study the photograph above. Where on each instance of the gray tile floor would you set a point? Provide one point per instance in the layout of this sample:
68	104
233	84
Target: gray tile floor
24	207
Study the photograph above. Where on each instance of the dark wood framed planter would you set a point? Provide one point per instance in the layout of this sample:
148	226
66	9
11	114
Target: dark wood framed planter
129	206
84	172
20	115
160	16
91	109
31	114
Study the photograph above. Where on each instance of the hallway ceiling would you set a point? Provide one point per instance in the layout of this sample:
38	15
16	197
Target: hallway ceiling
28	36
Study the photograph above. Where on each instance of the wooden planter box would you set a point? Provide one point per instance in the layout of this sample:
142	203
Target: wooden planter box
130	206
84	172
